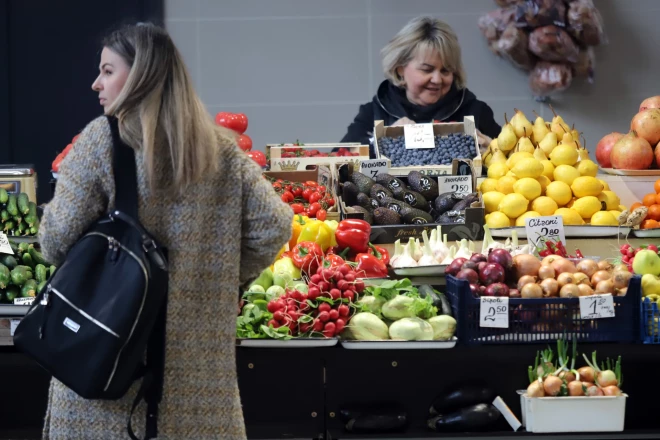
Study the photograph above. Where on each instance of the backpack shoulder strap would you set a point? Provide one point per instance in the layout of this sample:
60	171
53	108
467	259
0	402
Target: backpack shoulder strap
124	168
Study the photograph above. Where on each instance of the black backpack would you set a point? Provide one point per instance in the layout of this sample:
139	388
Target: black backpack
105	306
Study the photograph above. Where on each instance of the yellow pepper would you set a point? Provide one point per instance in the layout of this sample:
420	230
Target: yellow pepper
333	224
298	222
318	232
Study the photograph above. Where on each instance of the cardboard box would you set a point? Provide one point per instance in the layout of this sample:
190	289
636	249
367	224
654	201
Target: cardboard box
467	126
321	174
277	162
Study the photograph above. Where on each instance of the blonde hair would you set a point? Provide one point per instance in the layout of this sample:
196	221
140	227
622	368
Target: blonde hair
422	34
159	111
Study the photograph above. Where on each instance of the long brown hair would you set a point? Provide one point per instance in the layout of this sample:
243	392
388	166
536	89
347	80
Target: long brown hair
158	109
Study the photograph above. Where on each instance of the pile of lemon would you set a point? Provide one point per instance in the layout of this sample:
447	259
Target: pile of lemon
542	169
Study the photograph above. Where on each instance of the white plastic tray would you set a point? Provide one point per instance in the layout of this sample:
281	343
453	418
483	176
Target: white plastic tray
596	414
12	310
616	172
423	271
570	231
399	345
647	233
290	343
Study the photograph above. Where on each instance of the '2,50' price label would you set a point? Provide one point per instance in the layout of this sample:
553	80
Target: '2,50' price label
456	184
494	312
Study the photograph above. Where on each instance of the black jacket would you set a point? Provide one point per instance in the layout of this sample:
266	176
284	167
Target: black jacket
391	104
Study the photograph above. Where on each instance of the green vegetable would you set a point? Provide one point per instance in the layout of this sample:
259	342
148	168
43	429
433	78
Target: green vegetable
31	218
34	230
29	289
41	286
51	270
37	256
22	227
265	280
20	274
28	260
12	293
253	324
23	203
444	327
398	307
275	292
4	195
8	260
372	304
12	208
9	226
40	273
411	329
23	247
390	289
366	326
5	276
285	273
4	215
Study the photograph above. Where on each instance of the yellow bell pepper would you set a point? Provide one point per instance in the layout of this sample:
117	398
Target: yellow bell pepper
333	224
297	225
318	232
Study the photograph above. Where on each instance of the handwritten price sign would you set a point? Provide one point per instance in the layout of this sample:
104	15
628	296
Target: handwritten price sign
541	229
596	307
455	184
374	167
494	312
419	136
4	245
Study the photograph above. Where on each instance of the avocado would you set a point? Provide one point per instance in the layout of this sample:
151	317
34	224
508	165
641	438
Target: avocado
413	198
414	216
363	182
393	204
349	193
390	182
445	202
447	217
384	216
368	216
378	191
424	185
365	201
466	202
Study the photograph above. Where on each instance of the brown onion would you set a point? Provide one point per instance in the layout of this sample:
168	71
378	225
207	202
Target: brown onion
567	376
600	276
575	388
550	287
552	385
550	259
605	286
585	290
605	265
621	279
546	272
535	389
588	267
581	278
526	279
526	264
594	391
563	265
531	291
620	268
622	292
565	278
569	291
587	384
587	374
611	390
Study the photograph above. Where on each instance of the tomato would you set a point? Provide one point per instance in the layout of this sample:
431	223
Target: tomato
258	156
240	122
244	142
321	214
297	208
277	186
233	121
321	189
56	163
222	119
311	183
306	193
313	208
287	197
330	202
314	197
297	191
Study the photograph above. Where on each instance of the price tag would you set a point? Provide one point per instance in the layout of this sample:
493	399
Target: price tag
596	306
494	312
4	245
509	416
542	229
13	323
374	167
419	136
24	301
456	184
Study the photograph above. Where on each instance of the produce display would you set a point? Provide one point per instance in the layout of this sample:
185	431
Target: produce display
388	200
542	169
23	274
308	199
291	152
447	148
18	215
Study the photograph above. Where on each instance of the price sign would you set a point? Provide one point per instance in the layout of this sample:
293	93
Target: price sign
455	184
542	229
374	167
596	306
13	323
419	136
4	245
509	416
494	312
24	301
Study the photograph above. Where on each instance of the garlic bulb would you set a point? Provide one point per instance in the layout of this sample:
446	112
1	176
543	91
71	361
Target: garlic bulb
427	258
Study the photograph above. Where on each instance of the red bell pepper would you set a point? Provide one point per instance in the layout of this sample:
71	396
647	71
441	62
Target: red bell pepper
307	256
368	266
354	234
379	252
332	260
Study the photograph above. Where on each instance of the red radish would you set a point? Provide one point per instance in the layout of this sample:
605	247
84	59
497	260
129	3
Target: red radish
497	289
329	329
305	327
324	307
294	316
313	293
343	310
324	316
455	266
342	284
345	269
339	326
338	276
604	148
501	257
468	274
492	273
335	293
359	286
324	286
278	316
349	295
273	323
350	277
318	325
334	314
478	258
272	307
315	279
632	152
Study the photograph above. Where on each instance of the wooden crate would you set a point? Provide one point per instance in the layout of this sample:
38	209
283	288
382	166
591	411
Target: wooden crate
279	163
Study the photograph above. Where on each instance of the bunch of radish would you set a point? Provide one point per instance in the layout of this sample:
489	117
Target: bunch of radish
336	283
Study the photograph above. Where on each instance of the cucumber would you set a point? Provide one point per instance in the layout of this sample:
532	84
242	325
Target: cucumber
12	293
28	260
20	274
12	207
5	276
29	289
4	195
14	248
4	215
40	273
51	270
23	247
18	219
41	286
9	226
37	257
22	227
31	218
8	260
33	231
23	203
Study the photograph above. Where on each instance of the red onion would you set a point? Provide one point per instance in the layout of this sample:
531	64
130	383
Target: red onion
497	289
476	292
468	274
491	273
514	293
478	258
455	266
501	257
469	265
481	265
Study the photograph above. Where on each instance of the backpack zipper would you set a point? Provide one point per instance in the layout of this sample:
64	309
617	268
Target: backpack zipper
77	309
45	301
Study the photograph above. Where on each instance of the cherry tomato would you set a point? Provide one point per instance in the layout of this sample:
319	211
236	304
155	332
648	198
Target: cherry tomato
287	197
288	187
277	186
297	208
330	202
321	189
297	191
321	214
311	183
313	208
306	193
315	197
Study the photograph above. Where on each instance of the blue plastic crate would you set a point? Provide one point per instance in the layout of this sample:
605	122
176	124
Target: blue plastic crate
545	320
650	315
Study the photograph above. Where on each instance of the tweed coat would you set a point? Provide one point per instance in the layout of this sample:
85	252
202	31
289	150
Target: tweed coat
219	235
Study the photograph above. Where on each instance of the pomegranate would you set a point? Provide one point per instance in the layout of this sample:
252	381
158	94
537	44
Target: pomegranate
632	152
647	125
604	148
652	102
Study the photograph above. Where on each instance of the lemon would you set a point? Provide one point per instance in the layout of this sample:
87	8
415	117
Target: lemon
566	174
520	221
587	168
611	200
513	205
528	188
497	219
604	218
544	181
564	155
505	184
587	206
497	170
548	169
488	185
570	204
511	174
616	213
544	205
569	216
606	186
587	186
492	200
528	168
517	156
560	192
